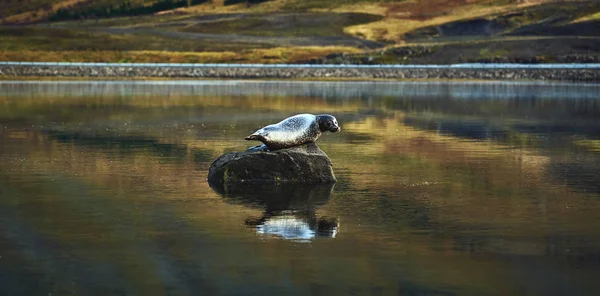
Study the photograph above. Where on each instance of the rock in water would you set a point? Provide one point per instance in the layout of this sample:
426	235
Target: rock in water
306	163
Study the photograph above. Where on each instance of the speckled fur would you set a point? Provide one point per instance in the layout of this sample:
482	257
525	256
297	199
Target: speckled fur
292	131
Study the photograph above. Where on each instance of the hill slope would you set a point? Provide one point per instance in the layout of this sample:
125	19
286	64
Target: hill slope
337	31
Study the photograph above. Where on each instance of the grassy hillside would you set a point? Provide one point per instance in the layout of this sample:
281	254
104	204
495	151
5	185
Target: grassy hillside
52	10
360	31
18	7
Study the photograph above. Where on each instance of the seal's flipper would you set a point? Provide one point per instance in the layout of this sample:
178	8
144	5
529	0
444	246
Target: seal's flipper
259	148
254	137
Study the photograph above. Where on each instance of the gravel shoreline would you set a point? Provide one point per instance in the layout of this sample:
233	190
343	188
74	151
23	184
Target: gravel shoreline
280	72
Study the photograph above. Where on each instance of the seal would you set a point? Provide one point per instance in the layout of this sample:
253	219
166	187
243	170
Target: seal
296	130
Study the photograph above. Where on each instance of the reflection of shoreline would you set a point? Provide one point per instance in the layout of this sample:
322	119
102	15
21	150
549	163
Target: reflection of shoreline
289	209
467	90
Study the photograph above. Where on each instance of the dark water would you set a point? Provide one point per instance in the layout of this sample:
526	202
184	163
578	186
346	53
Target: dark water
443	189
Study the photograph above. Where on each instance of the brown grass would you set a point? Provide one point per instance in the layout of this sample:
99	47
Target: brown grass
40	14
402	18
268	56
399	18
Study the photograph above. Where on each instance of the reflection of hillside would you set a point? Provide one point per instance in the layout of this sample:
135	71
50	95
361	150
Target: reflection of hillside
144	164
476	130
123	105
392	136
141	195
482	128
124	145
120	185
580	172
528	115
432	168
533	108
559	105
186	103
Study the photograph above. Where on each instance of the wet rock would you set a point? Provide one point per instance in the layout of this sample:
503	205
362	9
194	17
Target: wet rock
590	75
579	58
302	164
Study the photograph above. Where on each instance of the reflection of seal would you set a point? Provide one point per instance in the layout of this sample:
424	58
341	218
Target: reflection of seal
295	226
289	212
296	130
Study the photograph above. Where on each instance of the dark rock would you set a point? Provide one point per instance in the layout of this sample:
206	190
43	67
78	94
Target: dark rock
573	74
302	164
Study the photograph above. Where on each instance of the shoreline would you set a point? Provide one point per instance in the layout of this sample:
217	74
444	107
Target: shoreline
543	72
6	79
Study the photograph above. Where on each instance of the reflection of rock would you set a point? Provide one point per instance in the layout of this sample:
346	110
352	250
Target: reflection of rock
289	209
276	197
302	164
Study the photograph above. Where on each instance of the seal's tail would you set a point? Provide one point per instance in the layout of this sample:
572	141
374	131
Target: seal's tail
253	137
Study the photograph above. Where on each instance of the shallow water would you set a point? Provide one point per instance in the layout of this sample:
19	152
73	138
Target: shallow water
443	188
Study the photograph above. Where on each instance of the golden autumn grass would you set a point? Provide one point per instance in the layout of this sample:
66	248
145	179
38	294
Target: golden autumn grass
399	22
590	17
400	17
38	12
266	56
85	40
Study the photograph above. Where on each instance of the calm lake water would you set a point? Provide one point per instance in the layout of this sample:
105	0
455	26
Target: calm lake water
443	189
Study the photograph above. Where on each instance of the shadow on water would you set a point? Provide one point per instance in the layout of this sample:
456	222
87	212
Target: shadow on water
476	130
126	144
289	209
131	144
579	173
482	129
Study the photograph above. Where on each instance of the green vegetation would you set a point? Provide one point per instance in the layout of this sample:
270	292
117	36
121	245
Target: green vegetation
487	53
544	19
266	56
247	2
59	39
330	4
110	8
13	7
290	25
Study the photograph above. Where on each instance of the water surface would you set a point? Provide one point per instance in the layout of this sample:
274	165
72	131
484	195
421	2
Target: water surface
443	189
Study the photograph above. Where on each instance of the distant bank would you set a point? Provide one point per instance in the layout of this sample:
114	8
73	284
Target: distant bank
551	72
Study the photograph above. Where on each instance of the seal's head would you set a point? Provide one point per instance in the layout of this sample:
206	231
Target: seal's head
328	123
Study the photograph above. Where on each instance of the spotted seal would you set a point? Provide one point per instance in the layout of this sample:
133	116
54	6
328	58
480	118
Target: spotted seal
296	130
